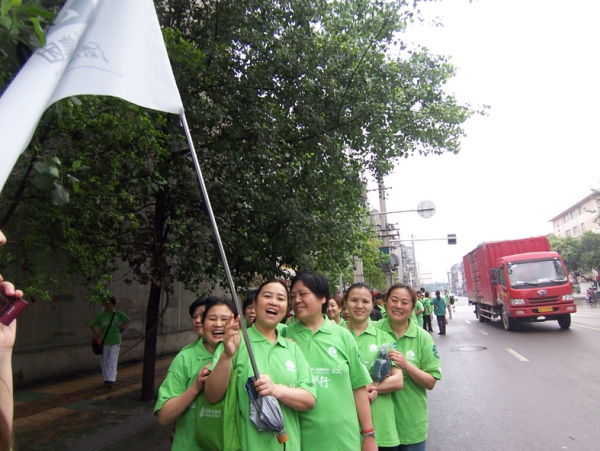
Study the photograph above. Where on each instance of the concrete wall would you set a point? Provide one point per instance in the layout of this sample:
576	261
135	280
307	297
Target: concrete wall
53	338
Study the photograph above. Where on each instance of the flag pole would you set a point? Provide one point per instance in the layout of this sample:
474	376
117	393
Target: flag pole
219	242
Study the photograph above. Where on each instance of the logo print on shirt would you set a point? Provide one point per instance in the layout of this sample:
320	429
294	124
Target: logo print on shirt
410	355
201	413
373	348
290	366
332	351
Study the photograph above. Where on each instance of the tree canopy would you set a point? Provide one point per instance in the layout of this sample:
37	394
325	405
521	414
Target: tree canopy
292	105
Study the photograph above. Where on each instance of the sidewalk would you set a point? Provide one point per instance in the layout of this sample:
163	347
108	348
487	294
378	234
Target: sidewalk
79	414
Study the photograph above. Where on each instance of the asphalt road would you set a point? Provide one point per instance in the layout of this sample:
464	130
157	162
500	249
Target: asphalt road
532	389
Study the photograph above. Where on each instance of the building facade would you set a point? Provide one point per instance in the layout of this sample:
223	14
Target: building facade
578	218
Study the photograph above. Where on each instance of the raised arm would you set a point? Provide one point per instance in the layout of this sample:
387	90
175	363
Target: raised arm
216	383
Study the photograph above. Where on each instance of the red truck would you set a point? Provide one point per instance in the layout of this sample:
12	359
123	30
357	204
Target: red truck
519	280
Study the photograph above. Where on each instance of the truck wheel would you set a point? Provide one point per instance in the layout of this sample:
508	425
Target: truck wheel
482	319
507	322
479	317
564	321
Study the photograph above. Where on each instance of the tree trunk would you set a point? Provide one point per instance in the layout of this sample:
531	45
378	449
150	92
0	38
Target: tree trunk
151	330
159	271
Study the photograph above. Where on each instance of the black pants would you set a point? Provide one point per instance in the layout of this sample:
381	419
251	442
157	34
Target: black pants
442	324
427	323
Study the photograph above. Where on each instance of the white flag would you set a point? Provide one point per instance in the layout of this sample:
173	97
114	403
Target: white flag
101	47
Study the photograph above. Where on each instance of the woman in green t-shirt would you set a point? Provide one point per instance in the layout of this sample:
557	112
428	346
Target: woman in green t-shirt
418	358
343	411
285	373
360	302
183	388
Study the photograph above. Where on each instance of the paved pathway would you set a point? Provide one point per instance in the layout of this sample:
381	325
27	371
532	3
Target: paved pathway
79	414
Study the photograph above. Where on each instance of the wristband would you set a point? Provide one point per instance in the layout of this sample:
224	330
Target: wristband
368	433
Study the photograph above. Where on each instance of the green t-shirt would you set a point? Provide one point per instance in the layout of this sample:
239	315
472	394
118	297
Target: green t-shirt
181	375
427	306
102	320
285	364
410	403
419	306
383	311
192	344
332	354
382	409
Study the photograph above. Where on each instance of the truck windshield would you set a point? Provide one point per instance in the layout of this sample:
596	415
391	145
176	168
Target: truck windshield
538	272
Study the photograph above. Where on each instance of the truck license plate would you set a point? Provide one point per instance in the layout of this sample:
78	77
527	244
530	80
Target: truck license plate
545	309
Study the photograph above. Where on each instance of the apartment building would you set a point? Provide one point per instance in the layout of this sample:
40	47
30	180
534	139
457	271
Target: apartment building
578	218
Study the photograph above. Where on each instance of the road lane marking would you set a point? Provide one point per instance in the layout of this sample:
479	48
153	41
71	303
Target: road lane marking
587	327
517	355
483	332
467	321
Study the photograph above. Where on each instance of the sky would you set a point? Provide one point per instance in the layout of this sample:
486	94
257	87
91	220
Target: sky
536	63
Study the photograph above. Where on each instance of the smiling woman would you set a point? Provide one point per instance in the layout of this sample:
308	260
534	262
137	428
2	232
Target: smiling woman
416	355
285	373
182	392
343	408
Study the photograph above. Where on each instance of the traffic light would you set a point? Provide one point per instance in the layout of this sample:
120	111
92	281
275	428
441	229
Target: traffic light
451	238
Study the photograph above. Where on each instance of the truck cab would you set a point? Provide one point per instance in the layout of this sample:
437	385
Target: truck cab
533	287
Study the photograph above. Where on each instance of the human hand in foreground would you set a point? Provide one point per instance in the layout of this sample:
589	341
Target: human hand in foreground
231	338
372	392
398	358
265	386
202	376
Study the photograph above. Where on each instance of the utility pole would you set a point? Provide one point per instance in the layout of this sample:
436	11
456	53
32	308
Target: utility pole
417	281
384	228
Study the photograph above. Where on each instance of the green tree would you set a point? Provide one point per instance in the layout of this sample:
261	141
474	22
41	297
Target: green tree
570	250
590	251
21	32
290	105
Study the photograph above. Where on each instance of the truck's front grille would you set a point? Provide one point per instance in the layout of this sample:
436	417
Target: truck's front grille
544	300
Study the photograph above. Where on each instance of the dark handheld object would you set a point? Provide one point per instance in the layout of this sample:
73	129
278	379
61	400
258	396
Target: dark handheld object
10	307
382	367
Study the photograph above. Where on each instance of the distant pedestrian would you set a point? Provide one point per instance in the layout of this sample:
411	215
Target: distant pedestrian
419	310
439	308
589	295
449	301
108	326
427	313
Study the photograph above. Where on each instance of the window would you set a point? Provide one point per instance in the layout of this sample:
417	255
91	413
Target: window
572	214
582	227
575	231
580	210
566	218
502	276
568	233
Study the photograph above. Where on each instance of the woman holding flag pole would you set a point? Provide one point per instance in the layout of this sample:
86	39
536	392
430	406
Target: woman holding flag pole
286	374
